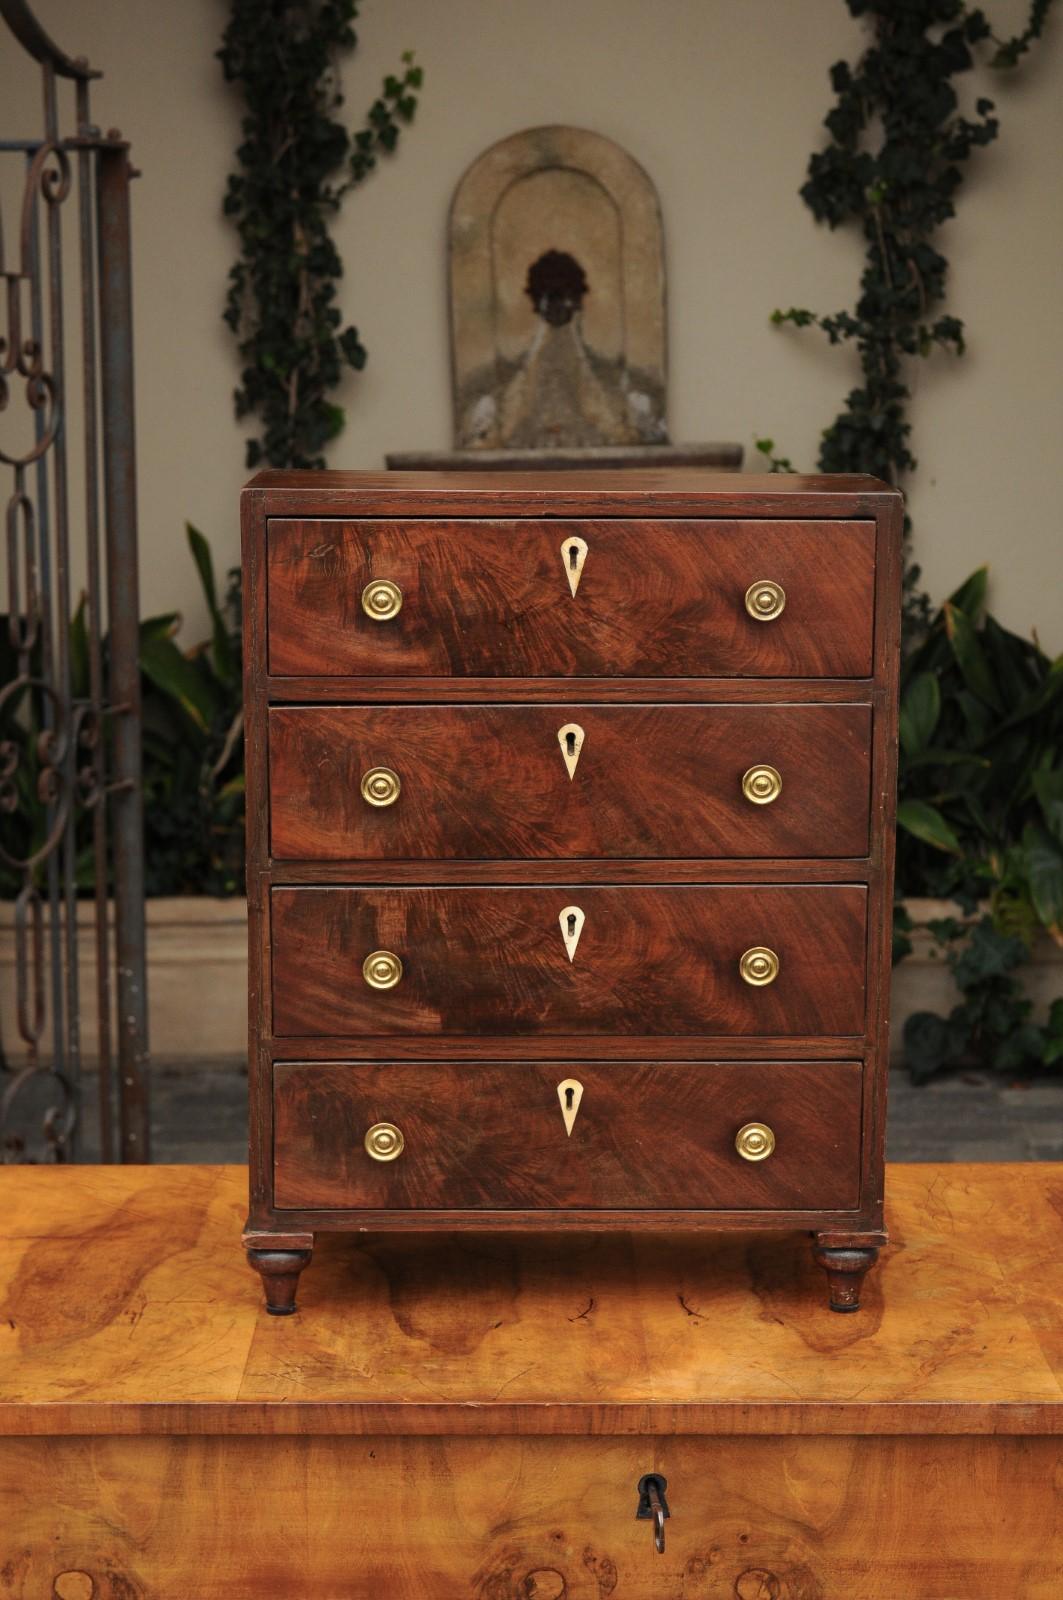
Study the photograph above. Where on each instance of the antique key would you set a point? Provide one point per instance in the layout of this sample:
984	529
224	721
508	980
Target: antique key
653	1506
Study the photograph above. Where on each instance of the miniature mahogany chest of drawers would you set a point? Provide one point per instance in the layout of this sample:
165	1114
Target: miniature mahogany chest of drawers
570	809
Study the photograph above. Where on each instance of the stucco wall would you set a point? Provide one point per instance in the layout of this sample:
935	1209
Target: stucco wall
721	103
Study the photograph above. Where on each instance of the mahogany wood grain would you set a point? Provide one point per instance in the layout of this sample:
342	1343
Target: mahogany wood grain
676	493
126	1308
644	1135
540	691
492	782
530	1519
492	598
494	961
739	869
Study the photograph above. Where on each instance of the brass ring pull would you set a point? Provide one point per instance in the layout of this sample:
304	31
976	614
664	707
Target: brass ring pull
765	600
381	599
759	966
755	1142
384	1142
382	970
761	785
380	786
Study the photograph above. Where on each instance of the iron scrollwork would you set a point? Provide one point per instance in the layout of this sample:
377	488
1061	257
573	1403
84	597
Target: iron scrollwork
70	803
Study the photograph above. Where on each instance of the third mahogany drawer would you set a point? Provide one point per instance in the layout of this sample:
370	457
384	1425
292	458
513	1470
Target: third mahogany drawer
763	959
506	782
472	1134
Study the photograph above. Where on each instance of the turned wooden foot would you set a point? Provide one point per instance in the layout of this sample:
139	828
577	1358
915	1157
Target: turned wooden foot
845	1266
279	1271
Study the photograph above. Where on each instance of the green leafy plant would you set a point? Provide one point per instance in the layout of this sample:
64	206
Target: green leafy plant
893	167
980	821
297	161
193	746
193	774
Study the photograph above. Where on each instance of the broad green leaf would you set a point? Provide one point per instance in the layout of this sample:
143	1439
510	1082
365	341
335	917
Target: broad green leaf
161	627
1048	787
970	596
920	710
224	655
934	757
926	822
1044	867
175	675
79	652
970	657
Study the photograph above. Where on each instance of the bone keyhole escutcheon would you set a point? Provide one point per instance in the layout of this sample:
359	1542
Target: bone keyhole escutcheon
570	1093
571	738
574	554
571	920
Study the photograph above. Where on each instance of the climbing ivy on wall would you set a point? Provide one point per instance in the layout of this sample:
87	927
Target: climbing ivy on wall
296	163
894	164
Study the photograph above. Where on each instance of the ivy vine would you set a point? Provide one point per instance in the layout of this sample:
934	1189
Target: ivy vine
297	161
893	166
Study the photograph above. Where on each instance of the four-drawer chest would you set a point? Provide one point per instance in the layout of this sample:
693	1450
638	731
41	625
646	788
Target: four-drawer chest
570	813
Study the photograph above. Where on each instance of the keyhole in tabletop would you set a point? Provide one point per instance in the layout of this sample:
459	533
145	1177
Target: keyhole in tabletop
570	1095
573	555
570	741
571	931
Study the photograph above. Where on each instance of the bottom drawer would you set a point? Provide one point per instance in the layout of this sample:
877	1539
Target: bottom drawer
496	1136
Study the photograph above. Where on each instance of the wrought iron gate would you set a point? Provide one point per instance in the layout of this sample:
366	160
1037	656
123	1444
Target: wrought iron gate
71	809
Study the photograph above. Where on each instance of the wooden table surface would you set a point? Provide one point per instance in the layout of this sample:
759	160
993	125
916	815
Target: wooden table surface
127	1308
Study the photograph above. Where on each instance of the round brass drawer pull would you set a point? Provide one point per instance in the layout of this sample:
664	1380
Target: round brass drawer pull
765	600
755	1142
384	1142
381	599
759	966
382	970
761	785
381	786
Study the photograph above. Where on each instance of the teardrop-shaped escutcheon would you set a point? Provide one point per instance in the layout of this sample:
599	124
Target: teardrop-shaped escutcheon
570	1093
574	554
571	738
571	920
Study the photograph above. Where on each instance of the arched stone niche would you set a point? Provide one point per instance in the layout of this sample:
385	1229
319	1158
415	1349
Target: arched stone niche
557	296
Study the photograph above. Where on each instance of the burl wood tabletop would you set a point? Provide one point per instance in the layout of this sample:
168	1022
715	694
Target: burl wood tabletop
127	1307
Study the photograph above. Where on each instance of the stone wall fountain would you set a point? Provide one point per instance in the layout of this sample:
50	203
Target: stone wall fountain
557	312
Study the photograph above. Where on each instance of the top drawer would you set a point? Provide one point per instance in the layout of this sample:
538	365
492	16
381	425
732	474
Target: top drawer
495	599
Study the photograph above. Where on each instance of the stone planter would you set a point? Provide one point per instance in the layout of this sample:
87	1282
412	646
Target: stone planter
922	981
197	978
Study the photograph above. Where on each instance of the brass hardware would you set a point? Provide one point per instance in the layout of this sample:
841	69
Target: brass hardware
571	920
381	599
571	738
380	786
759	966
755	1142
384	1142
653	1505
765	600
570	1093
574	554
762	785
381	970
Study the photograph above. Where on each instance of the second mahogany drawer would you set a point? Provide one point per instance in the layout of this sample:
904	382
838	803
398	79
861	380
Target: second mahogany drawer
642	1135
634	961
503	782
